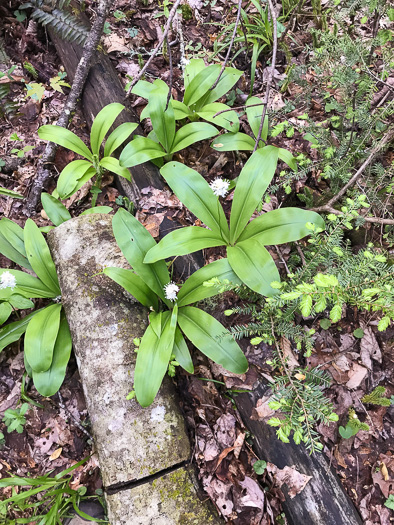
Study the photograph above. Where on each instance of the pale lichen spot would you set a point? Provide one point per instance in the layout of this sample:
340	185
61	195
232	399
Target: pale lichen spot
158	414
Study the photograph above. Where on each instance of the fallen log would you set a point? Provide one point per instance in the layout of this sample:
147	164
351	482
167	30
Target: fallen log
323	501
143	453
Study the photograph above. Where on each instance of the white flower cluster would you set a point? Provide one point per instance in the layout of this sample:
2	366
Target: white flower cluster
7	280
171	290
220	187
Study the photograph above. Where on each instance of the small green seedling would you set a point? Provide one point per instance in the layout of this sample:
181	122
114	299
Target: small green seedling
14	418
78	172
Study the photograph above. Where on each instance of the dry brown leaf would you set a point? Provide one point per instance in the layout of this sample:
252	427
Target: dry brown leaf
294	480
254	496
288	353
55	454
262	410
114	42
369	347
383	474
356	375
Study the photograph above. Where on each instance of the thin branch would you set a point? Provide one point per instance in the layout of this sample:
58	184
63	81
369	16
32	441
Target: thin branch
271	73
231	44
328	207
375	220
81	73
171	74
158	47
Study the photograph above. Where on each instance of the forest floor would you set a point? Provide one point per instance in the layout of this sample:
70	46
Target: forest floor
53	437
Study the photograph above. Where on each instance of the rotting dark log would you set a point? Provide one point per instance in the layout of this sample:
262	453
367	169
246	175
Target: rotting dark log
323	501
143	452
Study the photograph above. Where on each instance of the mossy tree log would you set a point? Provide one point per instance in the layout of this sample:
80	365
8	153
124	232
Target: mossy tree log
135	446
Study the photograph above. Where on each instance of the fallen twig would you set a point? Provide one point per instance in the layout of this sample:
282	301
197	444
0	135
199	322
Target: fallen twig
157	48
81	73
230	46
375	150
270	75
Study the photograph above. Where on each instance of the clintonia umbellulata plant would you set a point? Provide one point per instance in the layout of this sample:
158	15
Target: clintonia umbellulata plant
78	172
241	141
171	316
58	213
48	342
199	100
163	141
246	252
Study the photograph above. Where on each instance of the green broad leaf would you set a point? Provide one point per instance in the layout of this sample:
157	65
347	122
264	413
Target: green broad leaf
140	150
181	111
97	209
49	382
252	183
192	69
228	79
359	333
195	193
325	324
346	432
112	164
193	290
64	137
228	120
143	88
55	210
118	136
101	124
191	133
255	267
259	467
212	339
5	312
12	244
135	242
287	157
30	286
199	86
183	241
152	359
40	257
46	229
20	302
10	193
233	142
163	120
72	173
134	285
40	338
281	226
254	117
181	352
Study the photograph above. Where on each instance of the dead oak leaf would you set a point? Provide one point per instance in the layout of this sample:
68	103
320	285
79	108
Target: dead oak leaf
356	375
295	481
369	347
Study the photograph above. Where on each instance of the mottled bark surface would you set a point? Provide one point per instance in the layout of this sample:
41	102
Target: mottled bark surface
168	500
